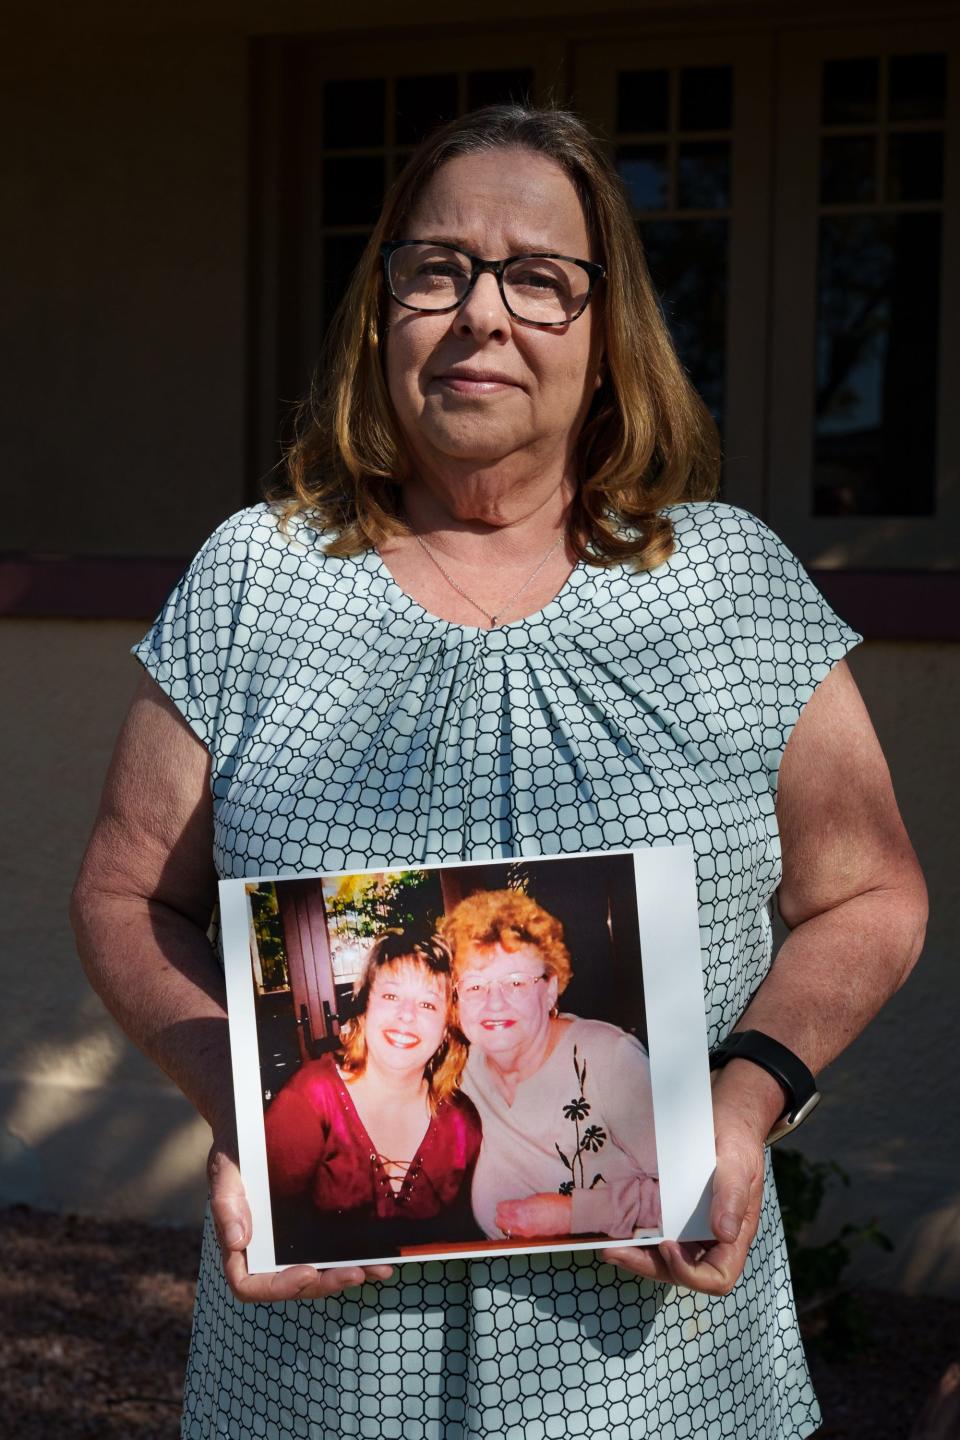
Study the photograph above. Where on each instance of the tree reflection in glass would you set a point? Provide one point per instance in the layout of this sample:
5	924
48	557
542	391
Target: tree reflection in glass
688	263
876	391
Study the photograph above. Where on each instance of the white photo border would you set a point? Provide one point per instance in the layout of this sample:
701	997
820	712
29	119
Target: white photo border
666	894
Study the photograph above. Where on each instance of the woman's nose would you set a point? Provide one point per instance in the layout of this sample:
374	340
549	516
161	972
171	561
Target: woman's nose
483	313
406	1008
495	1000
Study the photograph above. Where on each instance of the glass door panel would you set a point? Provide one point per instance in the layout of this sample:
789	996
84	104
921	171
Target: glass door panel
690	139
673	152
865	270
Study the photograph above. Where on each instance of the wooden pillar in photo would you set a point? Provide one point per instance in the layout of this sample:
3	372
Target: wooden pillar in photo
451	888
306	940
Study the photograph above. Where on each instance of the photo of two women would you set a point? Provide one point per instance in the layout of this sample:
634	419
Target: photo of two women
454	1059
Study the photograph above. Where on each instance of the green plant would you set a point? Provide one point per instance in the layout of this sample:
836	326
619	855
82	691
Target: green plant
834	1318
269	933
366	906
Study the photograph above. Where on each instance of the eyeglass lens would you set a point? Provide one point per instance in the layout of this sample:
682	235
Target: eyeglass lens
518	983
433	277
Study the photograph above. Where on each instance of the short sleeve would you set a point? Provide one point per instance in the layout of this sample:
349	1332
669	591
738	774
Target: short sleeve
189	646
785	636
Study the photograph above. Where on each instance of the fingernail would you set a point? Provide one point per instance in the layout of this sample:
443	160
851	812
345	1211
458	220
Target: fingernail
729	1227
233	1234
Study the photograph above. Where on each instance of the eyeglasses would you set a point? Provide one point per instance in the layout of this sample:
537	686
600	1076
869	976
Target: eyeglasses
539	289
518	985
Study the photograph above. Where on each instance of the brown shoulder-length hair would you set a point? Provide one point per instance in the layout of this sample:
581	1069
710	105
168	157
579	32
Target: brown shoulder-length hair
648	440
443	1070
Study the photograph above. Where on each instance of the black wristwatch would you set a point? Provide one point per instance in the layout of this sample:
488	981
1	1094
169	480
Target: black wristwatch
788	1069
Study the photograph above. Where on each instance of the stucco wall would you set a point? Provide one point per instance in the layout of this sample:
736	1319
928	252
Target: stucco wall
87	1124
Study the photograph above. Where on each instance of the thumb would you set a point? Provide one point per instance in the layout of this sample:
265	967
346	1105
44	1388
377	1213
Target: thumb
228	1200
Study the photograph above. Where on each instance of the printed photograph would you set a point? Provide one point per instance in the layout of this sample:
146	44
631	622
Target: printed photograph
451	1059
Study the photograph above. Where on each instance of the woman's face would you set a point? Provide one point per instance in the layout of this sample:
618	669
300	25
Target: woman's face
501	1015
502	203
406	1016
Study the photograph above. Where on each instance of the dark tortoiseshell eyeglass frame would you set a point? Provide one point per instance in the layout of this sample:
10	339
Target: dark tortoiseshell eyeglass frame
479	266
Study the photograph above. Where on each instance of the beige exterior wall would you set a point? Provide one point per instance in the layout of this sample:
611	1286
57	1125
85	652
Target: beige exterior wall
129	332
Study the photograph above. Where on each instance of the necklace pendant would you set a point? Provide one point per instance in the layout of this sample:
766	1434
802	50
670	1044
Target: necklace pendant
494	621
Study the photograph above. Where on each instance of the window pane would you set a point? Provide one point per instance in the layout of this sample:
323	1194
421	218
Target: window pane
850	90
354	113
876	392
706	97
352	190
423	102
848	168
915	166
643	169
703	175
340	256
688	263
643	100
918	87
498	87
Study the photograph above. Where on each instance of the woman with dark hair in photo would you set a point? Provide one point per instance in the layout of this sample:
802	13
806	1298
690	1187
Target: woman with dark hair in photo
377	1151
494	609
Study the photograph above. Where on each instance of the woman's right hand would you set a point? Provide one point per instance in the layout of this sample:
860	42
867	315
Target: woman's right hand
232	1219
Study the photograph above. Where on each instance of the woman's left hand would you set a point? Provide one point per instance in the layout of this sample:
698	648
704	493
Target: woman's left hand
536	1216
715	1266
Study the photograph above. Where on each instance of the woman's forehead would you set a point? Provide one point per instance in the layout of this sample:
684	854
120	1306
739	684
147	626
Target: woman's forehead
408	971
514	200
488	957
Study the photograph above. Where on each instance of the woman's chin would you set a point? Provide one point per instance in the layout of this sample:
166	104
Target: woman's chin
498	1040
398	1057
472	441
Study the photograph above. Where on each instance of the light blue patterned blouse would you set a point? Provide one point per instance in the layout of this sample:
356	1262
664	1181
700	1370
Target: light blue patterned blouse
348	727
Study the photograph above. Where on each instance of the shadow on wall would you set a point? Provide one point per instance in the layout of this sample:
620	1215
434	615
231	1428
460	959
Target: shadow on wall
91	1131
933	1249
86	1123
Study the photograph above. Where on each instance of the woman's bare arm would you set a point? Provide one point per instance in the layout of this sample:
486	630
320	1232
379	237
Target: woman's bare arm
140	911
855	900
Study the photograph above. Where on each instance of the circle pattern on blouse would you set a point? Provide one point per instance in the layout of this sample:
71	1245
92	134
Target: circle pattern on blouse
349	728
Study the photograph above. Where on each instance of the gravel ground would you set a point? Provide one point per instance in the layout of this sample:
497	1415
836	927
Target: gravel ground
95	1322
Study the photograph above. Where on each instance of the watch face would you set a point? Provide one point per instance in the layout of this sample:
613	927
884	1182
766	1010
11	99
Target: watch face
805	1109
789	1123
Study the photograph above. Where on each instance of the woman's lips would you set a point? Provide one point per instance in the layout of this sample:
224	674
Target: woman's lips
401	1039
467	382
496	1024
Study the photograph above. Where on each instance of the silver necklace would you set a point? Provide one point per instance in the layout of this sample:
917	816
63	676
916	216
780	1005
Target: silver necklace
495	618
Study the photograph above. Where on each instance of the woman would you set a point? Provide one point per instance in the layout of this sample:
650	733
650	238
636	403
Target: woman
378	1153
506	617
567	1110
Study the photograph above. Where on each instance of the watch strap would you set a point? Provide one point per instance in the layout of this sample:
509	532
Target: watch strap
796	1081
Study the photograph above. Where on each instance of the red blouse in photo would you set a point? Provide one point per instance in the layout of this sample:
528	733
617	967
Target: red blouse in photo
331	1196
